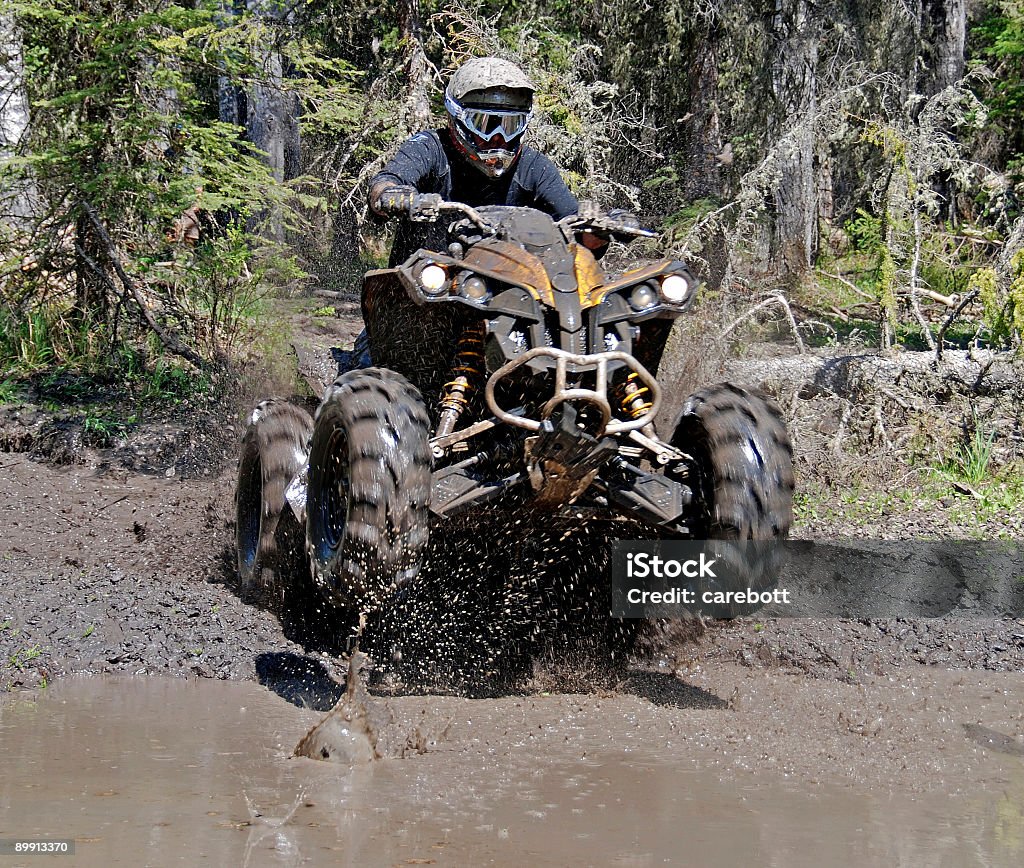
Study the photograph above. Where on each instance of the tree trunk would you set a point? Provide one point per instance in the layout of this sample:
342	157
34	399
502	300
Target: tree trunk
271	113
16	200
702	131
417	106
92	280
944	37
794	85
978	372
705	154
272	119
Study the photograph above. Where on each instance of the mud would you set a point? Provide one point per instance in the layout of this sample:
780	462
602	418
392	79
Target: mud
172	771
795	742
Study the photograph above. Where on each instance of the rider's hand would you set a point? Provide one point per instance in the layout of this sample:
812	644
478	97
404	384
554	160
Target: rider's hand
589	211
395	201
626	219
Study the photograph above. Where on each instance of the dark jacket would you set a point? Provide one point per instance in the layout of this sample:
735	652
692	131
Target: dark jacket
429	162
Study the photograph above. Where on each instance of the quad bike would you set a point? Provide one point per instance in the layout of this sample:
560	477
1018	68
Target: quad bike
509	372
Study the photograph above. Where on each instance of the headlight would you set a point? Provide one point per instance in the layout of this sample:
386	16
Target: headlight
433	279
474	288
675	288
643	297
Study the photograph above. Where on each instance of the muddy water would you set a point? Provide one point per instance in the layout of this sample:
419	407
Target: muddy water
172	772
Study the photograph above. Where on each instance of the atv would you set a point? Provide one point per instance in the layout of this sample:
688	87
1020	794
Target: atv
507	372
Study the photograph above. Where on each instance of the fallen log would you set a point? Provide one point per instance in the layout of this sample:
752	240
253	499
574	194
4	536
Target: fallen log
977	372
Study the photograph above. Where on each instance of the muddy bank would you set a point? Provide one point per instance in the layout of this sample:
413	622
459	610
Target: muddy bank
105	571
110	572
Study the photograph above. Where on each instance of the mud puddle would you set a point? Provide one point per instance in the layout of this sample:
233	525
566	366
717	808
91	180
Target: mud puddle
152	771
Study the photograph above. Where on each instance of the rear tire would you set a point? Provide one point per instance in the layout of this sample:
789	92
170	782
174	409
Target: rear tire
369	487
743	485
273	454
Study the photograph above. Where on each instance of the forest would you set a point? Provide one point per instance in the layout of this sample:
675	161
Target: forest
861	163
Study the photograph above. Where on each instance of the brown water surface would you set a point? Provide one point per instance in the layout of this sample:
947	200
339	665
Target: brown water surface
153	771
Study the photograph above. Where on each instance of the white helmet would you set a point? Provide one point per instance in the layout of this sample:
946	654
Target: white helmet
489	103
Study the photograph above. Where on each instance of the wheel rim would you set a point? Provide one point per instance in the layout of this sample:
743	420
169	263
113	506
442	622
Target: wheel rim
250	495
331	507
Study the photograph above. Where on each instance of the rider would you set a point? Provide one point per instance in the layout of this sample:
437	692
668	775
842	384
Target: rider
478	159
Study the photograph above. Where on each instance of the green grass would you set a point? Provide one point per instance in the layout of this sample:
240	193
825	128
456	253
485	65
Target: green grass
18	659
1001	494
101	430
984	510
170	382
970	463
10	391
864	504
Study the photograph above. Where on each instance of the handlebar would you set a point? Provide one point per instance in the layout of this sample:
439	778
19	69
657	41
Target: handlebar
615	222
428	207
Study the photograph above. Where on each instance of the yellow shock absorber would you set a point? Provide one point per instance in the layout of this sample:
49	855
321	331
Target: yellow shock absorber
468	373
634	397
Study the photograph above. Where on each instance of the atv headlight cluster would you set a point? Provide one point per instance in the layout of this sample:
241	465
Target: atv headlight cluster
676	289
643	297
473	287
433	279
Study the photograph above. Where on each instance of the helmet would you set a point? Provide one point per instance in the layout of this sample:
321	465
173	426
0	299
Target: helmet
489	103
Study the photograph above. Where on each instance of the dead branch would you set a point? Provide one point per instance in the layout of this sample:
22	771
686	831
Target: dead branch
168	339
941	337
848	283
947	300
914	290
774	298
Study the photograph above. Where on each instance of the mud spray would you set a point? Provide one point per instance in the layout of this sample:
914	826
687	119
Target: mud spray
497	608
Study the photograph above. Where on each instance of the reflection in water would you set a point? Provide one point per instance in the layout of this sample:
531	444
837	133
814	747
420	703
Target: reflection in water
164	772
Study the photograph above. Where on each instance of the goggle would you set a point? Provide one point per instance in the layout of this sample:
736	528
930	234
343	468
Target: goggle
487	124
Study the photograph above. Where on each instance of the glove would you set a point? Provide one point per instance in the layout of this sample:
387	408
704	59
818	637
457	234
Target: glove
395	201
589	211
626	219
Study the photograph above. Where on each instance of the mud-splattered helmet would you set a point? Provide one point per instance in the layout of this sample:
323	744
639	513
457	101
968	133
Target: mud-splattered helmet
489	103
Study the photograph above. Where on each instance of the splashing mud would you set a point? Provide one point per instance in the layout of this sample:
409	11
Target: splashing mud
349	733
361	728
497	596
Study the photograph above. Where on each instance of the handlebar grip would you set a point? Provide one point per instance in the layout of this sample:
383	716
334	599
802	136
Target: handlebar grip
396	201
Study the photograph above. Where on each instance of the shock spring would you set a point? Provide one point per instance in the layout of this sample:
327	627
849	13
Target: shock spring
635	397
468	371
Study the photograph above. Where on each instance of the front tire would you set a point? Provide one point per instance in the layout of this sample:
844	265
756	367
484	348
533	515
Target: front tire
369	487
743	480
